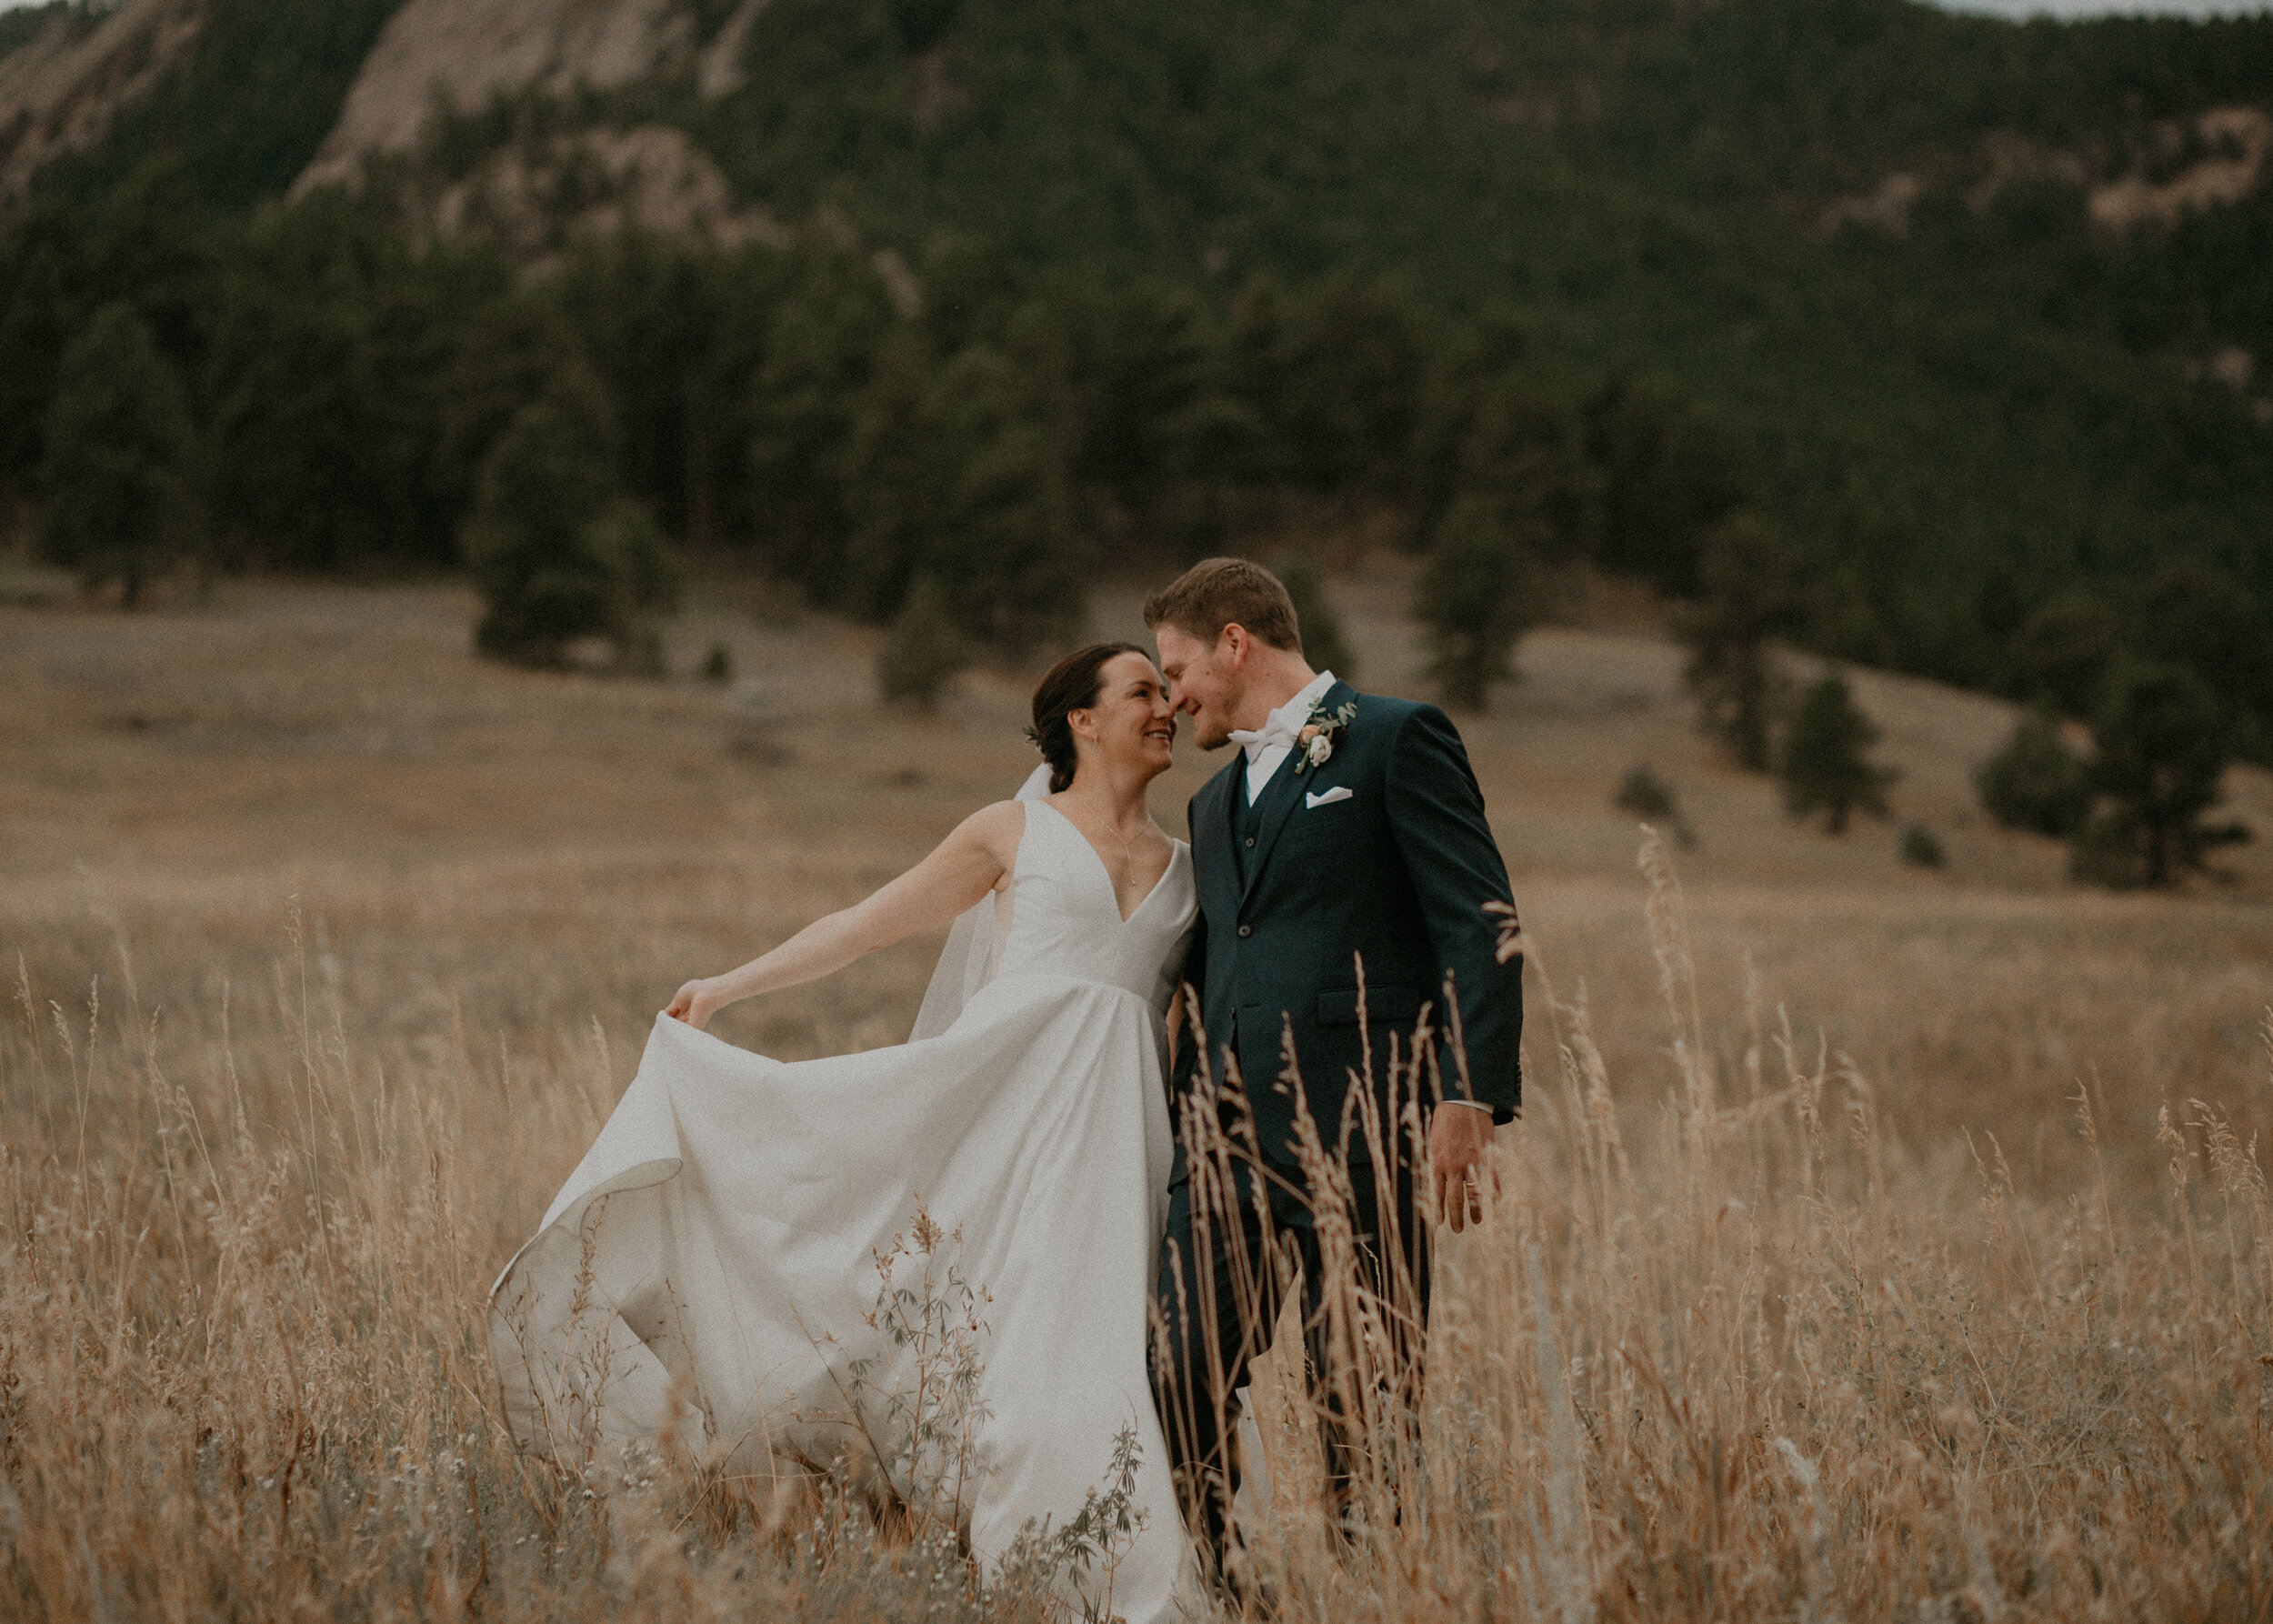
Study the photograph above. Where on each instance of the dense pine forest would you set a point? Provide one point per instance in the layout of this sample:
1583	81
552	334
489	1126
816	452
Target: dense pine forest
1837	283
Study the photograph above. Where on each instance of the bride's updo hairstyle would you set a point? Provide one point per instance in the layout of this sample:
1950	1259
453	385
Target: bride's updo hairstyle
1073	683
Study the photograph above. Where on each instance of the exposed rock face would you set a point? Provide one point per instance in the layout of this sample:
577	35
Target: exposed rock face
534	201
2007	157
59	92
2238	140
465	52
2243	133
533	198
721	70
1887	206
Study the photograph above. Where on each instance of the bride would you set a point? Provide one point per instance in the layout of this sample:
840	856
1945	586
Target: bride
710	1272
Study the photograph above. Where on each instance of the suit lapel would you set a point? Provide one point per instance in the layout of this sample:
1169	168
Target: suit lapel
1283	791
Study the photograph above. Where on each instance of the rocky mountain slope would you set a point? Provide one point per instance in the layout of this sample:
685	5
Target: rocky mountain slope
459	55
1977	311
440	59
60	92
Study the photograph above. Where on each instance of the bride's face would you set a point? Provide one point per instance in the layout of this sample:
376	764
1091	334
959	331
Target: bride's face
1131	720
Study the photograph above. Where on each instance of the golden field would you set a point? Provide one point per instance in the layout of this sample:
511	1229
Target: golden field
1880	1244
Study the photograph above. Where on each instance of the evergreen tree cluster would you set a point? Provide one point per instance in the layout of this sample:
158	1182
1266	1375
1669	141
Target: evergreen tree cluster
1543	282
296	390
2135	810
1955	409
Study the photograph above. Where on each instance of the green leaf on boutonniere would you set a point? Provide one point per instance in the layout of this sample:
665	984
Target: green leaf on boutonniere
1314	745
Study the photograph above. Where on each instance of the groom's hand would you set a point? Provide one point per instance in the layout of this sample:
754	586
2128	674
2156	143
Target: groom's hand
1459	1160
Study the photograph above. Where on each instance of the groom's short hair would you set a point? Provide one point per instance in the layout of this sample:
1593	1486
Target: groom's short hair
1219	592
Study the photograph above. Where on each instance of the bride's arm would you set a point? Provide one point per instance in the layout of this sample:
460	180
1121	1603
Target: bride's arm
968	864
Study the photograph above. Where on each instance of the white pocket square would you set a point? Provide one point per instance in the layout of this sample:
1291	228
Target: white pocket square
1340	792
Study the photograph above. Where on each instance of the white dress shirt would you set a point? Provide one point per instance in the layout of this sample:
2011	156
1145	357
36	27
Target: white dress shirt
1265	754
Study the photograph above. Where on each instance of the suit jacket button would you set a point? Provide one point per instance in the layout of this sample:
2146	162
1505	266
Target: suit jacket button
1246	930
1250	841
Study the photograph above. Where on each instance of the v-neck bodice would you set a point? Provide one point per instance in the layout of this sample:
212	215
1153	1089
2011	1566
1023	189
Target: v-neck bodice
1066	913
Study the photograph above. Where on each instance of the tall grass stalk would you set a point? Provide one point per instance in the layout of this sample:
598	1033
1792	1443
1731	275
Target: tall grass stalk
1728	1344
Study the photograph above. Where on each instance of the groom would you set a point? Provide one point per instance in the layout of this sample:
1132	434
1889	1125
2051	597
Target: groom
1347	830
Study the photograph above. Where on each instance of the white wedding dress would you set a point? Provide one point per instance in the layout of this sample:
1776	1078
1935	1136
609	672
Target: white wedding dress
707	1273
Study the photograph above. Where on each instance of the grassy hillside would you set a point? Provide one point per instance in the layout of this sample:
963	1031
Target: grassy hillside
335	945
200	757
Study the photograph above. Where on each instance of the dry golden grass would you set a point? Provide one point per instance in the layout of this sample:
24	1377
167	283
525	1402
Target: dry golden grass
329	944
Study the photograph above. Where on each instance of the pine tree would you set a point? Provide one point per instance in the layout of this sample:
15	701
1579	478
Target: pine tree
1508	436
2162	745
557	551
1477	595
1670	477
806	401
1332	374
2065	649
2036	782
1006	547
338	363
119	452
511	350
1322	642
2195	614
1156	424
1747	600
1825	769
925	650
1340	387
960	472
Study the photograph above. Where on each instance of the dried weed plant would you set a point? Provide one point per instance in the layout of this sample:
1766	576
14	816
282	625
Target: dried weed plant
1727	1347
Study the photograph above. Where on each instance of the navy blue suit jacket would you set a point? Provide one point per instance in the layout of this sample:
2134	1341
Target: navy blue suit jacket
1397	872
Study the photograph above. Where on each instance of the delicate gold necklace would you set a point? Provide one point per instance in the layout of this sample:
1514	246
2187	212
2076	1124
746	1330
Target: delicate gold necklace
1128	857
1128	854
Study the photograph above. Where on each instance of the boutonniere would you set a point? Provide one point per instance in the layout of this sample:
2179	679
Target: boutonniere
1315	743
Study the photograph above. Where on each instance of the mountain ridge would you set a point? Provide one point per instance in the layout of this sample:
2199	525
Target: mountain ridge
1978	311
459	55
61	87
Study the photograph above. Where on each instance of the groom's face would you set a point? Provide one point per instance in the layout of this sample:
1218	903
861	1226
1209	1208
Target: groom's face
1205	681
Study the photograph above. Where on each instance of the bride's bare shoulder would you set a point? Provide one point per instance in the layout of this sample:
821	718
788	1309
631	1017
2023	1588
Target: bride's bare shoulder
999	827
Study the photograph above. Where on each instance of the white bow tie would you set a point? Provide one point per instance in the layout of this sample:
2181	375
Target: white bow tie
1277	728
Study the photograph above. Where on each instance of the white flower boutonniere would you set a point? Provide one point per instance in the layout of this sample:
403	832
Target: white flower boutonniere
1315	743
